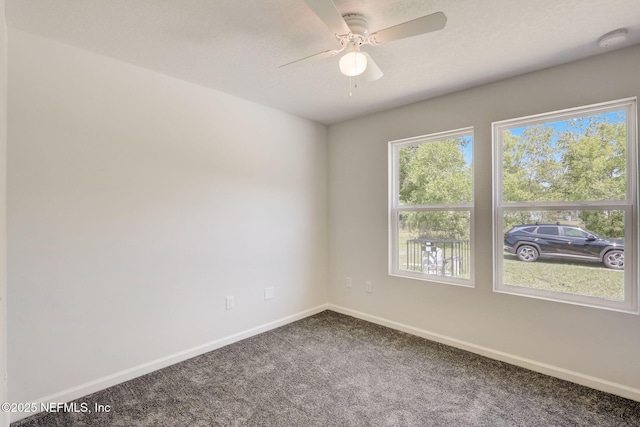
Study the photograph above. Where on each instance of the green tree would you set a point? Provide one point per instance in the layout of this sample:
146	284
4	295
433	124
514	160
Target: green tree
531	172
586	162
436	173
595	162
531	167
594	155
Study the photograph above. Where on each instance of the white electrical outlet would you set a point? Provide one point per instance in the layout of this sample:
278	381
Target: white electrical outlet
230	303
348	282
369	287
269	293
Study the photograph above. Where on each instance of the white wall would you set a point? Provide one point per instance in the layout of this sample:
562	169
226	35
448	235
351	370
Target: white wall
586	341
136	204
4	417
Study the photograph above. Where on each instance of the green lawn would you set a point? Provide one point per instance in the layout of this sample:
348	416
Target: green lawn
590	279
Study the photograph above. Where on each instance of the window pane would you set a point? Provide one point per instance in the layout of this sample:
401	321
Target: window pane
435	243
436	172
586	258
548	230
574	232
578	159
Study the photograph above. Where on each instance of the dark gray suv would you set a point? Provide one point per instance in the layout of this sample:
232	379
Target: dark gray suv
532	241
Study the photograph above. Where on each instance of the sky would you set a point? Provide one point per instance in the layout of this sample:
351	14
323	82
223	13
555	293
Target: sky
559	127
562	125
468	149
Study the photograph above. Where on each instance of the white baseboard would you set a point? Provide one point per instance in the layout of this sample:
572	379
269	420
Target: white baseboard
543	368
137	371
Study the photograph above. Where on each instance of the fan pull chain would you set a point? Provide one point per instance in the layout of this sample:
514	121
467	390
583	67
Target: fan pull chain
355	85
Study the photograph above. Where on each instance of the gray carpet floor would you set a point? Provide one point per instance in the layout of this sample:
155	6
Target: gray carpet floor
334	370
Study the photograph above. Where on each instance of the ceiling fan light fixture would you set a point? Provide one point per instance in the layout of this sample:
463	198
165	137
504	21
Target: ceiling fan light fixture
353	63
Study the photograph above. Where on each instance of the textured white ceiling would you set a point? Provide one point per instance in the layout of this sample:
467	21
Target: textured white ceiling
237	46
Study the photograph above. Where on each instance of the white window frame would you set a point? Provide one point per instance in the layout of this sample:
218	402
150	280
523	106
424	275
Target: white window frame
629	206
396	208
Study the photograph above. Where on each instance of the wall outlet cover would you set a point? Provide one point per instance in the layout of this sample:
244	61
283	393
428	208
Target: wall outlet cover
269	293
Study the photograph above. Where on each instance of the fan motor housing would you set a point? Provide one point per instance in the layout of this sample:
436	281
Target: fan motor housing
357	23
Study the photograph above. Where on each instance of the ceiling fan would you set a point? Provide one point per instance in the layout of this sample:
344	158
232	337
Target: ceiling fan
352	32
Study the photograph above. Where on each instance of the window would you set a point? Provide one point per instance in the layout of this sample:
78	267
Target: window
431	207
553	231
565	200
574	232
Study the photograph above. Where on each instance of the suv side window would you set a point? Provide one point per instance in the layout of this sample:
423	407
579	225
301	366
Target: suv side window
574	232
553	231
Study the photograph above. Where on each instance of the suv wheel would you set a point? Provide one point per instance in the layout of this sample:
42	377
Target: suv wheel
614	259
527	253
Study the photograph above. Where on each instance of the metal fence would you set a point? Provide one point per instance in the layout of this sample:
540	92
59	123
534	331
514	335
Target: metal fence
438	256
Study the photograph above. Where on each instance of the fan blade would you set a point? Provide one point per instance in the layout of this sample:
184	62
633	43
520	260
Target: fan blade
426	24
329	14
321	55
373	72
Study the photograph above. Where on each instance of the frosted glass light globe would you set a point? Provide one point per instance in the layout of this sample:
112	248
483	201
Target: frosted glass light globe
353	63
